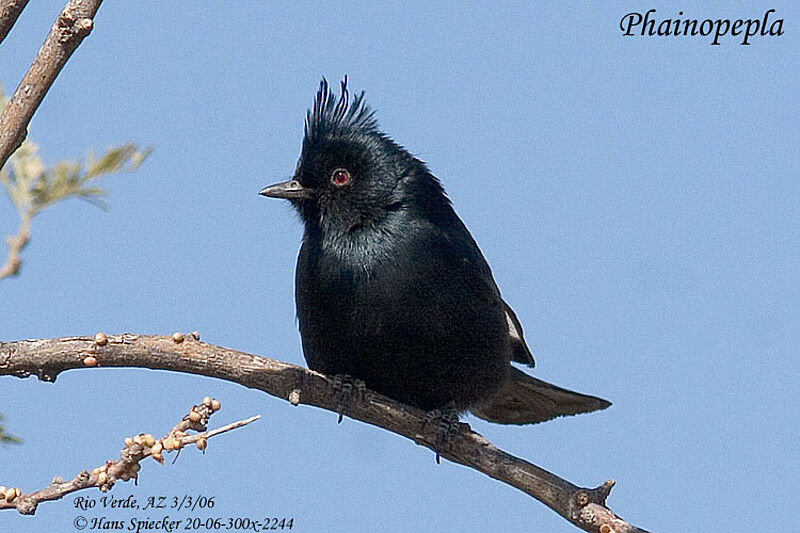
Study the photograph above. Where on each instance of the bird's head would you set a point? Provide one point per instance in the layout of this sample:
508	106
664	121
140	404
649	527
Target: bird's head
350	174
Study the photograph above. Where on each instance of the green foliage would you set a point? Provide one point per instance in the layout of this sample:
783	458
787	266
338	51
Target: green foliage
5	438
32	186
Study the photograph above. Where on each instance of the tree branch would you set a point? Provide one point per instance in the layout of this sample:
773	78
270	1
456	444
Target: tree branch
9	12
127	467
71	26
46	358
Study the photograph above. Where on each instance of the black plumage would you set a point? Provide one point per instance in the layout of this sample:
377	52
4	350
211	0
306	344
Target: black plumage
392	289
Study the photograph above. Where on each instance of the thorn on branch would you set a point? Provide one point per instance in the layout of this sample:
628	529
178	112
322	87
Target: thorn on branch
604	490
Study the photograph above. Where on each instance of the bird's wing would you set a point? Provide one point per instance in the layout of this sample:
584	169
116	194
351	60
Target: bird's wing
520	351
481	275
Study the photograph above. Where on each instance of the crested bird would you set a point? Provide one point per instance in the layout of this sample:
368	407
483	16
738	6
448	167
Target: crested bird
390	286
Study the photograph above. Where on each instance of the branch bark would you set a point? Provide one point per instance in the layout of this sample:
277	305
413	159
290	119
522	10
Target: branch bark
71	26
9	13
46	358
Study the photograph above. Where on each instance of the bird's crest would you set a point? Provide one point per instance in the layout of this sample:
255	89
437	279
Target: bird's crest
331	117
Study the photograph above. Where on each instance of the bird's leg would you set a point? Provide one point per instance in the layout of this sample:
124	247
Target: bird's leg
446	427
343	386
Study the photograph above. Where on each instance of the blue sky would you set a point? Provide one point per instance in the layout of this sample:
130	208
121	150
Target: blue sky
637	198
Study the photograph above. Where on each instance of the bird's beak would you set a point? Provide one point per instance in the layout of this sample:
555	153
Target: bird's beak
287	189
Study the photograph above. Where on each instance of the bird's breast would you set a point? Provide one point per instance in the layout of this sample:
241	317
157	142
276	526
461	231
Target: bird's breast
410	318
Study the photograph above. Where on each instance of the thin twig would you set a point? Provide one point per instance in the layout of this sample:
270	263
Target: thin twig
46	358
127	467
15	244
9	12
73	24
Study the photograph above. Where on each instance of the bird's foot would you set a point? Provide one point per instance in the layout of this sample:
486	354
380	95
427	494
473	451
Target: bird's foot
345	387
445	427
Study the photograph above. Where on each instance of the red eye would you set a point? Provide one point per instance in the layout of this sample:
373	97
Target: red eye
340	177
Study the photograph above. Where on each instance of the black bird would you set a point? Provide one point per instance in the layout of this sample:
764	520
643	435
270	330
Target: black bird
390	286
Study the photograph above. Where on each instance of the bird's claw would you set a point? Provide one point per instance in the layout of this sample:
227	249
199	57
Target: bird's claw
343	386
446	427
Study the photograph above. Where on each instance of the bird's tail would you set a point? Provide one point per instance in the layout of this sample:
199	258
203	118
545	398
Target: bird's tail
527	400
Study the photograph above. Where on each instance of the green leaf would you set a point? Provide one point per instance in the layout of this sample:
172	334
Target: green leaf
5	438
32	186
